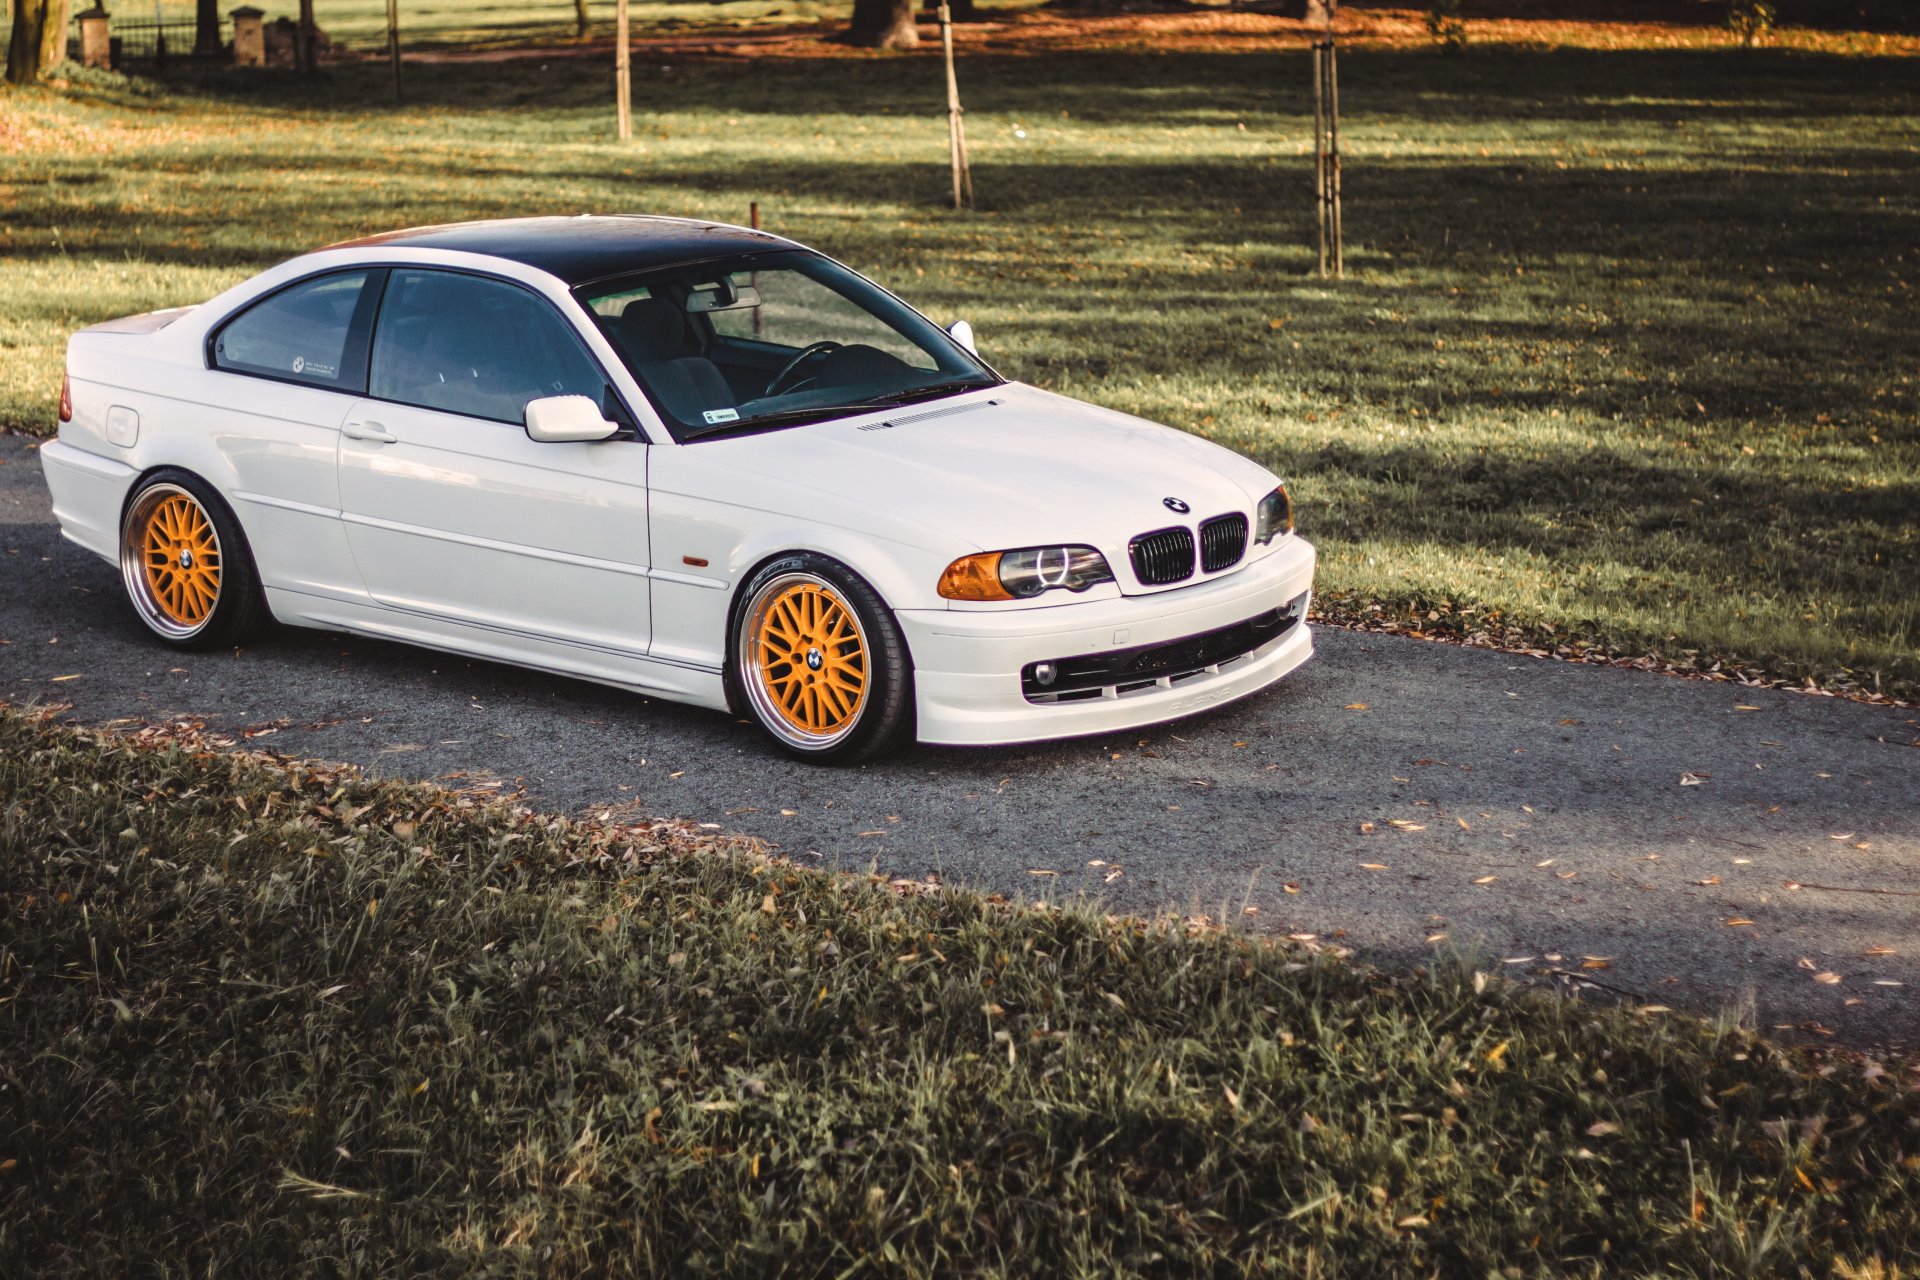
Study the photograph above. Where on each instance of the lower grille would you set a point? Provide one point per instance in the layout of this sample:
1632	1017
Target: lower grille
1123	670
1163	556
1223	540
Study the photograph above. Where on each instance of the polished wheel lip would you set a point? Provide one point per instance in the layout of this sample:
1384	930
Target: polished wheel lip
134	569
766	624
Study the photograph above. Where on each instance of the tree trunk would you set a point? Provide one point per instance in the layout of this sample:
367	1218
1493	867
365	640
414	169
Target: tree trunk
581	23
53	34
883	24
23	48
206	29
303	50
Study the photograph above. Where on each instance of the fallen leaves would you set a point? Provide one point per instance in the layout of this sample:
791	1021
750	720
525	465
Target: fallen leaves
1738	922
1691	779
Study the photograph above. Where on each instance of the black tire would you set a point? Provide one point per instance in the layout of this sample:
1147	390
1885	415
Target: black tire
174	612
776	663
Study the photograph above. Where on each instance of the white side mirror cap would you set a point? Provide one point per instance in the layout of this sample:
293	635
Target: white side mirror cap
557	419
962	332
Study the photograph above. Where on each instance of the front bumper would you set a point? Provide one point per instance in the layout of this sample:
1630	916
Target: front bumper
967	665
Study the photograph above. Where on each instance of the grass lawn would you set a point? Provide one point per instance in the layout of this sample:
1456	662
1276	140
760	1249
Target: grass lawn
1626	356
262	1018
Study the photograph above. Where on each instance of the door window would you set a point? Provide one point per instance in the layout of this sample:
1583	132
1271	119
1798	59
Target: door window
469	345
302	334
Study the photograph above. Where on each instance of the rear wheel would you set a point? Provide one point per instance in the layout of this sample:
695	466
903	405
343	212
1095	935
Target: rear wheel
819	661
186	565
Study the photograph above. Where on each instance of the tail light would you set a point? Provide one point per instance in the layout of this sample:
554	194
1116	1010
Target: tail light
66	398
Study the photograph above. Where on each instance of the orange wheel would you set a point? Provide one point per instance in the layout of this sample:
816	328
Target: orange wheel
173	561
805	660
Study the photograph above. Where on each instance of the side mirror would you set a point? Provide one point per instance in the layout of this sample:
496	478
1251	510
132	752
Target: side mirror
962	332
558	419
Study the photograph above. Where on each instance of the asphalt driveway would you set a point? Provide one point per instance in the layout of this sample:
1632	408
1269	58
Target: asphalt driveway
1697	845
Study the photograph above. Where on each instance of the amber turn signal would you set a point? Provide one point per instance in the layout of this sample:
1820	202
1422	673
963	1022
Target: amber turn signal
66	398
975	577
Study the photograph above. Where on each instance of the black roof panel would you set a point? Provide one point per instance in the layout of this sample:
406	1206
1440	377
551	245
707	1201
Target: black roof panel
584	248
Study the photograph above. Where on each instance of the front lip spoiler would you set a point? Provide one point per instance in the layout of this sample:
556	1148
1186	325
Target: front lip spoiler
1116	673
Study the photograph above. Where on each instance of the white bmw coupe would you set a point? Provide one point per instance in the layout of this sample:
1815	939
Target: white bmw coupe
686	459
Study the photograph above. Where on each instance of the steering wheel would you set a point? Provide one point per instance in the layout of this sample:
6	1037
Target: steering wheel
778	385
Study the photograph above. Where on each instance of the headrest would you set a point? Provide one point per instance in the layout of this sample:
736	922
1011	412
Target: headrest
654	329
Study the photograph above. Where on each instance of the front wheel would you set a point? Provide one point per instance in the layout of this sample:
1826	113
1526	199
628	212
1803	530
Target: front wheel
820	662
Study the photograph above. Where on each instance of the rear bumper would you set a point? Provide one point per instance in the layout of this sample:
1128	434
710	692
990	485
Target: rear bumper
967	665
88	494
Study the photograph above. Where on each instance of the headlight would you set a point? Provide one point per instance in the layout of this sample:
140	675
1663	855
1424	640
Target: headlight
1273	517
1020	575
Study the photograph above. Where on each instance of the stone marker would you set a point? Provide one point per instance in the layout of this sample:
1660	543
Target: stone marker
249	42
96	38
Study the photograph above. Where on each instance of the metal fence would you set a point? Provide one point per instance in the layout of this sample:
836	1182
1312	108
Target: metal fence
137	39
145	40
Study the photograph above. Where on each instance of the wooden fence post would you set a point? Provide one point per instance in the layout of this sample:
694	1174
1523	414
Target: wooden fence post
622	72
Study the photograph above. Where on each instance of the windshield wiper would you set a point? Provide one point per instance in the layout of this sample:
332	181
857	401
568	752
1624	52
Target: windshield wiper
781	418
813	413
928	390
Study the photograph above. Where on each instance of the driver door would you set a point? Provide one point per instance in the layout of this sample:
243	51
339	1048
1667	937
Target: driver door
452	511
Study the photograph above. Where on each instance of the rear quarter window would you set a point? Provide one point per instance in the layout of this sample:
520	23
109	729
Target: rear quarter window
304	333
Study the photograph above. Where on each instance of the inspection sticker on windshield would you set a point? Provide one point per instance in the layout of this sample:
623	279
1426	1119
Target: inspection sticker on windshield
722	415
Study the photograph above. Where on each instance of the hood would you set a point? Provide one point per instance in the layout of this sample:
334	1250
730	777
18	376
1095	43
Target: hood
1014	467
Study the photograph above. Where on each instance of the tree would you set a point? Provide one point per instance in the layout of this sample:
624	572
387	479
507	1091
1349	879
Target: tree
39	39
883	24
581	22
206	28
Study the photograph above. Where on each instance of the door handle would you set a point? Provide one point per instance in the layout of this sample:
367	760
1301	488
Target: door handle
371	432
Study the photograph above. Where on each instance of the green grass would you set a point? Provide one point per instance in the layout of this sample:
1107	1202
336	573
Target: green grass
261	1017
1626	356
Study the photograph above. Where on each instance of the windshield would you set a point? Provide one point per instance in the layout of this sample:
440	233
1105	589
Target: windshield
773	339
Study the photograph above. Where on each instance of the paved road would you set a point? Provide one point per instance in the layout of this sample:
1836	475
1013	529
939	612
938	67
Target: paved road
1548	815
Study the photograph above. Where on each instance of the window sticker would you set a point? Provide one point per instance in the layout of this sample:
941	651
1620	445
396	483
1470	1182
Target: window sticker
721	415
313	368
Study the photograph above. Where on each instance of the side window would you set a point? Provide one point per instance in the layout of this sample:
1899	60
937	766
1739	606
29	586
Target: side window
300	334
466	344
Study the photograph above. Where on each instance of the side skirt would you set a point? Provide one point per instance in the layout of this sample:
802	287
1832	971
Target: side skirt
654	677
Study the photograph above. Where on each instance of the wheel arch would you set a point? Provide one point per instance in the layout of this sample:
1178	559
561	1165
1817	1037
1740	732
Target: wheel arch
737	600
219	495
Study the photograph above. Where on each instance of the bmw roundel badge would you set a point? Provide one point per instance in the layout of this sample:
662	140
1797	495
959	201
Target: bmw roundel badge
1175	505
